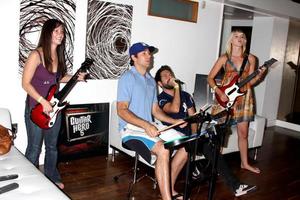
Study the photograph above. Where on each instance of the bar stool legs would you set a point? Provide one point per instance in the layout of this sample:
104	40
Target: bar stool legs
135	178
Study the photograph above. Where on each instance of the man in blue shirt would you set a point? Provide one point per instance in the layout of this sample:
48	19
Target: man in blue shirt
178	105
136	107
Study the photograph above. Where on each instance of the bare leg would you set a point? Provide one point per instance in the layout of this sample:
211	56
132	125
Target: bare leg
177	164
242	129
162	170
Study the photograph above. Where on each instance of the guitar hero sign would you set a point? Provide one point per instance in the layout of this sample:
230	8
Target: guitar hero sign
86	124
80	124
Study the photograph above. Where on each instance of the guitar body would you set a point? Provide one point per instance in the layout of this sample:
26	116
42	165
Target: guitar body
40	118
232	92
56	99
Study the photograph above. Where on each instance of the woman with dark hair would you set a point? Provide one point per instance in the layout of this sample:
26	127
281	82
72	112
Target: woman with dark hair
45	67
243	108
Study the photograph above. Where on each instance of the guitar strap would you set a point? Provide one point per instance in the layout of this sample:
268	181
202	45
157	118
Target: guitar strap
41	61
243	65
241	69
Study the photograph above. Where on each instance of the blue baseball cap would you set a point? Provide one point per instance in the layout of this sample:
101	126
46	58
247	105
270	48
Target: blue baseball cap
138	47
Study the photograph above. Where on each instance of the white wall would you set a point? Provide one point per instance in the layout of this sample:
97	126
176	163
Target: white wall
271	36
12	95
274	79
182	45
189	48
261	48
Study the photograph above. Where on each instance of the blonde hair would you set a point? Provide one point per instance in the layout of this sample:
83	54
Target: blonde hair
229	46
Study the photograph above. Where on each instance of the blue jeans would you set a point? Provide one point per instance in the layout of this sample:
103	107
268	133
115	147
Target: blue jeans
35	136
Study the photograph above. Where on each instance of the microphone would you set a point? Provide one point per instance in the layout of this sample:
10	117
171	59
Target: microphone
179	81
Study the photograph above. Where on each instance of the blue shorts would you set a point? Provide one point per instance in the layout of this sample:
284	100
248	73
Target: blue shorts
135	139
140	142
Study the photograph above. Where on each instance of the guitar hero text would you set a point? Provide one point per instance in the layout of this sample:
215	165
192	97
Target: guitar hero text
80	124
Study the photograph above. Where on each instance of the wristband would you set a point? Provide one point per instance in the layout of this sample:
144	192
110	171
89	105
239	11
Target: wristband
40	99
214	88
176	87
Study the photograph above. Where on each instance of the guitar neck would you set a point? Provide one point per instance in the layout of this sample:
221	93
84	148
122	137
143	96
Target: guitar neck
72	82
67	88
249	78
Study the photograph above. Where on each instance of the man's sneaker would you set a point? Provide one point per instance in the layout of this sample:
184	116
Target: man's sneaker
244	189
199	176
196	173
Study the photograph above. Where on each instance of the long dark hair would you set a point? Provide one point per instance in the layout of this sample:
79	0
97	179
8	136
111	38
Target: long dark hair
45	44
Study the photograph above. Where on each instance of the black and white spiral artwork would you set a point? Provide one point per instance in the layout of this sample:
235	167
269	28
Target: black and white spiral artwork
108	38
33	14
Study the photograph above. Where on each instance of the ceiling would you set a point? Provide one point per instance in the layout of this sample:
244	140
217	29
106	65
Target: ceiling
297	1
238	14
237	10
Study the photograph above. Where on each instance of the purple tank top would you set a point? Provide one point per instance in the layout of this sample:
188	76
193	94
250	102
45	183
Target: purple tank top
42	80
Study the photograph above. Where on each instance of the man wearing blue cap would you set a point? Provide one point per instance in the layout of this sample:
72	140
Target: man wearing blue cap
136	106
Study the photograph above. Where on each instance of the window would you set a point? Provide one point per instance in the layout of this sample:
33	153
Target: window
185	10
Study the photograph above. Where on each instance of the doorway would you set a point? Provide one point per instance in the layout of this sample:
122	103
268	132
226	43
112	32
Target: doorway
289	104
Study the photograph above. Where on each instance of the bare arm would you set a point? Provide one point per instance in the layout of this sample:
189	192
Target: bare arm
29	69
159	114
66	78
213	73
130	117
174	105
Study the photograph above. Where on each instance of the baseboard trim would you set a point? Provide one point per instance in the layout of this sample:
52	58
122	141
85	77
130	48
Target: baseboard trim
284	124
271	123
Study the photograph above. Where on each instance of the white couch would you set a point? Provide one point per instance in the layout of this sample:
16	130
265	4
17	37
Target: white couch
32	183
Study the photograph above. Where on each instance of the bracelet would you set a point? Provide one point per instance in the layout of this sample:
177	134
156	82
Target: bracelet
214	88
40	99
176	87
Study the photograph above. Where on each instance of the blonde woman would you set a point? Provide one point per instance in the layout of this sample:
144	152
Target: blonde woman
243	108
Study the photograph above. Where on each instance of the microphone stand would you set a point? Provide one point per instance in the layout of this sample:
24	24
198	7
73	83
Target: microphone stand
187	187
188	144
216	134
199	118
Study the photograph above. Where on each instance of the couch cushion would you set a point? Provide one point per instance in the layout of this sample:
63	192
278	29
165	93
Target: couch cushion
32	183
